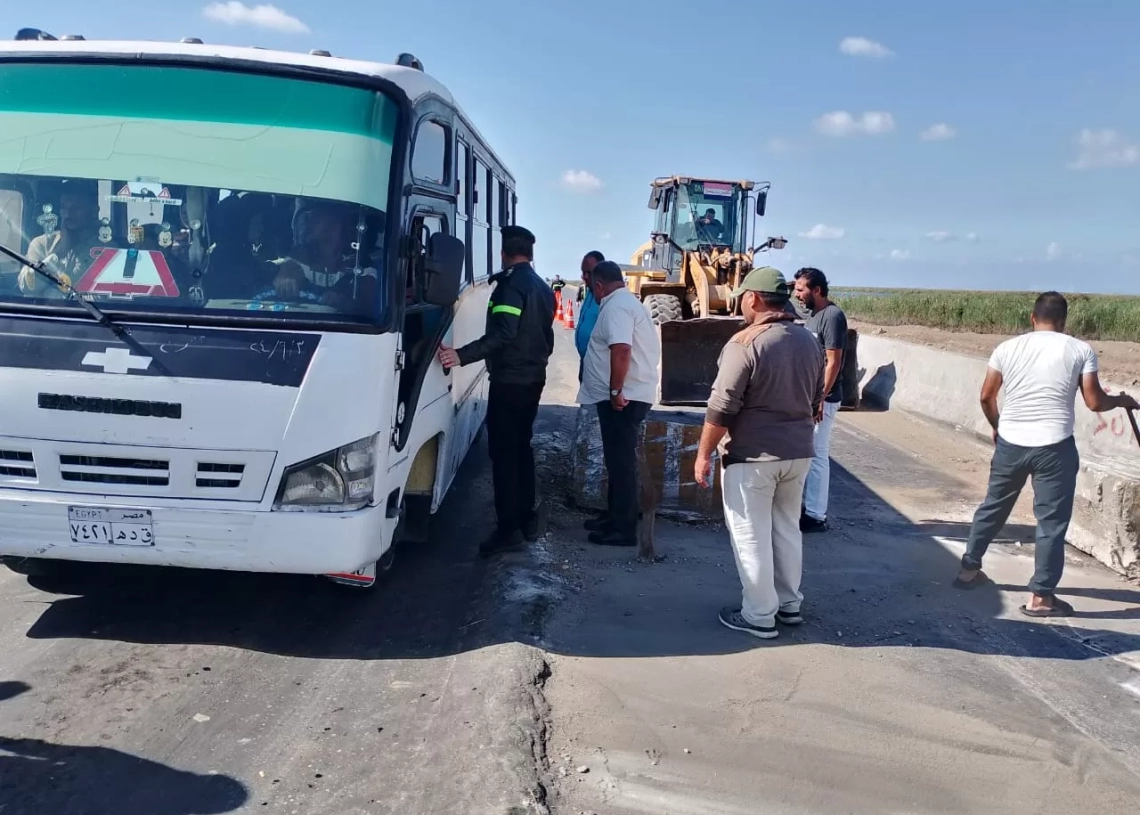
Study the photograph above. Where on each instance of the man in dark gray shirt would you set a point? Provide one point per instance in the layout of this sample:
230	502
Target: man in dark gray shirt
829	324
768	390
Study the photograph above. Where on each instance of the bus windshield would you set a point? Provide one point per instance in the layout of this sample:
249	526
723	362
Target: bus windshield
182	190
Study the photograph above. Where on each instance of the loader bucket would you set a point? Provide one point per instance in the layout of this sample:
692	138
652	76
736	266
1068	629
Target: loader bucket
689	353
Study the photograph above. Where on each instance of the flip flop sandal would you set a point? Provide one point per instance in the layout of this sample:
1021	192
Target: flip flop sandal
1060	609
980	579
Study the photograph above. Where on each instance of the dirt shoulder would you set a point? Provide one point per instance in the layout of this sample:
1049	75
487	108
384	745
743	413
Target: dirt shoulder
1119	361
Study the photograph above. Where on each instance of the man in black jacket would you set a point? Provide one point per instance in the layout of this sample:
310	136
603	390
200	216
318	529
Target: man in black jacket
517	345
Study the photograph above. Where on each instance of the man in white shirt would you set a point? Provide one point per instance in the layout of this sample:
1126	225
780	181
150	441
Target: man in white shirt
619	376
1033	436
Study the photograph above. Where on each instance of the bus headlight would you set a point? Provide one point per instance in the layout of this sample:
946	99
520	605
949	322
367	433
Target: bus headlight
342	479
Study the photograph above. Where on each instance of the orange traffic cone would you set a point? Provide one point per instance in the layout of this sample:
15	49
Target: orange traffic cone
568	321
558	306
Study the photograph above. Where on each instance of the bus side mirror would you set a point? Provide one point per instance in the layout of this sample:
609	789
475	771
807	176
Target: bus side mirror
761	202
443	269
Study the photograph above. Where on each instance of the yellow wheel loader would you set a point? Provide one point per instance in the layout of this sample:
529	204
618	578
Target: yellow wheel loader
698	252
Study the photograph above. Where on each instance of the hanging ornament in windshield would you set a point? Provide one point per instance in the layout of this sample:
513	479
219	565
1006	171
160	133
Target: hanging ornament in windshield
49	221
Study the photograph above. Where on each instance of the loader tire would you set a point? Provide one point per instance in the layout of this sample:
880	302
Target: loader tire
664	308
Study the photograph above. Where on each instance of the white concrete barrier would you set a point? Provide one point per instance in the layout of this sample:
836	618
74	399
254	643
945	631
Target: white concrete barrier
944	386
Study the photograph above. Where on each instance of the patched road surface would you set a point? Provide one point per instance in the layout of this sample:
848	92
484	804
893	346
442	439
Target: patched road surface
134	691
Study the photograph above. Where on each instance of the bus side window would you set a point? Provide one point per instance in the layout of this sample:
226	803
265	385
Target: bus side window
420	320
495	216
430	153
481	259
462	173
423	227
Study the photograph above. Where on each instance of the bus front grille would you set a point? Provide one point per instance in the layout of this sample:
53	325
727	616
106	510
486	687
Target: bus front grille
106	470
219	476
17	464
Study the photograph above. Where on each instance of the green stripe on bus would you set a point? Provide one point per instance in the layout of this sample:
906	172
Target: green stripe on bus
507	310
195	95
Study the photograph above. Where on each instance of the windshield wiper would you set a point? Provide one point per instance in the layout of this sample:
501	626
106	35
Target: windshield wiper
40	268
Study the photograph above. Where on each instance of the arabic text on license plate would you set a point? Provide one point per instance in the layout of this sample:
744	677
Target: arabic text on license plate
107	525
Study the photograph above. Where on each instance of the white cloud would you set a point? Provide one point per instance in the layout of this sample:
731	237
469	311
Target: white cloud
606	236
581	181
779	145
1053	251
938	132
900	254
260	16
841	124
823	232
942	236
1099	149
863	47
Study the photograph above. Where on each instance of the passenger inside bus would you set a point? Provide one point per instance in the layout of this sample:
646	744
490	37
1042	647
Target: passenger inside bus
330	263
238	262
70	231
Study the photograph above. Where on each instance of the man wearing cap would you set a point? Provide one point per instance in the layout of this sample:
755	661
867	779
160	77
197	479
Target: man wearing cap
619	377
518	342
761	418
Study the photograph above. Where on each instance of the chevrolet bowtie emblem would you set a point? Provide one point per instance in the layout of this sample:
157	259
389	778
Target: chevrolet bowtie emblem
116	361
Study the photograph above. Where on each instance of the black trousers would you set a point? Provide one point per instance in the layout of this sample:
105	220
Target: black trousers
511	411
620	430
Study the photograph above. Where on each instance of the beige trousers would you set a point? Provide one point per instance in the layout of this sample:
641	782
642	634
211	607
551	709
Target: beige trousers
762	510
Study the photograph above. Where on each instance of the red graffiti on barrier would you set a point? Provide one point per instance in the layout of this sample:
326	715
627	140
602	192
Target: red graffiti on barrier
1116	427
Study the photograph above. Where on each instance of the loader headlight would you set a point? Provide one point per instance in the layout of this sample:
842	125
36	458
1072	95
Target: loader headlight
338	481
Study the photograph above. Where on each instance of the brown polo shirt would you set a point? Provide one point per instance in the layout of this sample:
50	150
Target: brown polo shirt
767	391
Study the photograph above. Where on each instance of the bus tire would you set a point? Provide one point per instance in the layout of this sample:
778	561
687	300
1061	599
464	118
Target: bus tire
664	308
34	566
415	520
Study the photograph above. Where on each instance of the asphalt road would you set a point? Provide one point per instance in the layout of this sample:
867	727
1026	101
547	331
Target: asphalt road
482	688
899	695
133	691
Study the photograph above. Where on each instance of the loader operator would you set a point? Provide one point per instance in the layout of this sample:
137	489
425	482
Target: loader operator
709	229
517	346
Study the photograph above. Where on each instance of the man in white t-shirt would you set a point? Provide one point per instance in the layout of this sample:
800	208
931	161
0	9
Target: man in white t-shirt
619	376
1033	436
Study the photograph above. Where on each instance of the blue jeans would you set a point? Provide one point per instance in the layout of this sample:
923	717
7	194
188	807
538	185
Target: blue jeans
1054	471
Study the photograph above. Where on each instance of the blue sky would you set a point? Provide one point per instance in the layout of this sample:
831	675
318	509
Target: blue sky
928	144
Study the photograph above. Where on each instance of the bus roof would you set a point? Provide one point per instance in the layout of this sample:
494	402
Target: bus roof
413	82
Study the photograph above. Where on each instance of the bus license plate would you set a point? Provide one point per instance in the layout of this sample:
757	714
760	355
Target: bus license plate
110	526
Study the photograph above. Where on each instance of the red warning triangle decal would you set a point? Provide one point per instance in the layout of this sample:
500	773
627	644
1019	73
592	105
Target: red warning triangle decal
126	272
125	190
164	193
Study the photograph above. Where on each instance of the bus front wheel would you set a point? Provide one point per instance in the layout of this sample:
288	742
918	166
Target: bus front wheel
33	566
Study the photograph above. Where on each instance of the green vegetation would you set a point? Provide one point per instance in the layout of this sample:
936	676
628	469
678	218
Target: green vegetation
1091	316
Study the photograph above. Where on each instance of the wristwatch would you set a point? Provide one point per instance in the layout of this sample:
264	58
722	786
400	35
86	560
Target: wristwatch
615	392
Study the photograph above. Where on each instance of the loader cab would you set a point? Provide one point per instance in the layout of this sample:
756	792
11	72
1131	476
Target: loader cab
700	215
